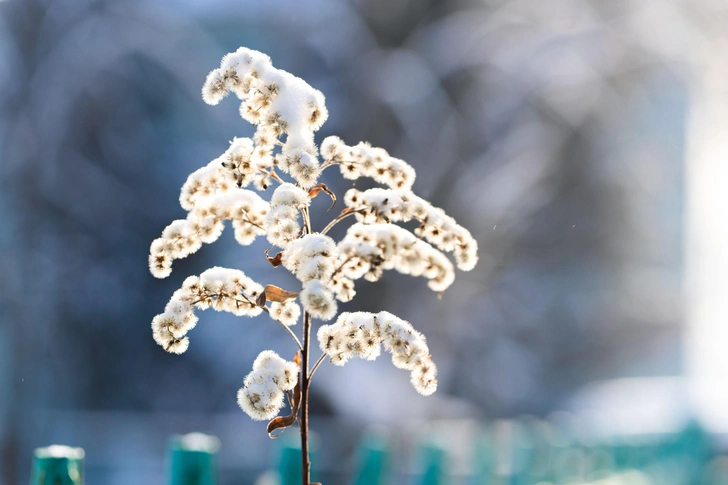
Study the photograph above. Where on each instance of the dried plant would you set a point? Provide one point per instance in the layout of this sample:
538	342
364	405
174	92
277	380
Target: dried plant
281	106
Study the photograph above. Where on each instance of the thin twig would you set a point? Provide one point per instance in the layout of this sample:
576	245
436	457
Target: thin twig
267	310
274	175
341	266
298	342
253	223
315	366
340	218
306	219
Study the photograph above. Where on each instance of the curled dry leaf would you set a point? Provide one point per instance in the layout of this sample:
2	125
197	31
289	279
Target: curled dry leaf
275	261
283	422
316	189
278	295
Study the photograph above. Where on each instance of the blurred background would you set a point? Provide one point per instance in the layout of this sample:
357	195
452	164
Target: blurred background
583	143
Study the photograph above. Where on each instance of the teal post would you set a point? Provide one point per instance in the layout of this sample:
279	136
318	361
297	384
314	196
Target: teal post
484	458
289	464
372	461
192	459
522	452
433	462
57	465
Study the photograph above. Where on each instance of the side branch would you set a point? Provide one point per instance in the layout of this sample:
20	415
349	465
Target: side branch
344	214
290	332
316	365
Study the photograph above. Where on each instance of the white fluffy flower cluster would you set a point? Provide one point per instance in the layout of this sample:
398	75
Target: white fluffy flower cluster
282	224
361	334
363	160
368	249
287	112
220	288
287	313
211	199
246	162
386	205
261	396
312	258
278	103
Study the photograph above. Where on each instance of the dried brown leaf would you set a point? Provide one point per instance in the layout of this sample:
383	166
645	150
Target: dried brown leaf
283	422
278	295
276	261
316	189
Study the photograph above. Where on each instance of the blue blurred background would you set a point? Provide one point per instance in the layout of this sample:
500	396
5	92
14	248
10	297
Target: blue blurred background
582	142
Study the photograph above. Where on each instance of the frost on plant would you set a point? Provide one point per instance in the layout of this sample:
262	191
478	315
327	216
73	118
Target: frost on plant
283	158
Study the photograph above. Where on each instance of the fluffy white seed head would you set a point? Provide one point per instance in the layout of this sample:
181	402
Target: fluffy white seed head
289	195
261	396
274	100
368	249
205	222
378	206
223	289
287	313
318	300
363	160
361	334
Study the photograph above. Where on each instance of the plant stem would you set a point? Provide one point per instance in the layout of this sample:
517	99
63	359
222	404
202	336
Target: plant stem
305	354
315	366
339	218
305	463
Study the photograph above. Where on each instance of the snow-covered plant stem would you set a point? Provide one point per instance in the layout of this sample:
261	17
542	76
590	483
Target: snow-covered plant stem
286	112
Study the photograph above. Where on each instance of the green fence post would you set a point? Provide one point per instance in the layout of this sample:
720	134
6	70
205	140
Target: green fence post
57	465
289	464
372	461
483	459
192	459
432	461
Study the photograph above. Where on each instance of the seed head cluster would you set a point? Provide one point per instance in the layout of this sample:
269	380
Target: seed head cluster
362	334
286	112
222	289
261	396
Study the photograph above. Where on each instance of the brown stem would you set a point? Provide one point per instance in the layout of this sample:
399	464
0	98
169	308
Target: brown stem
264	308
306	219
341	266
340	218
305	463
315	366
305	351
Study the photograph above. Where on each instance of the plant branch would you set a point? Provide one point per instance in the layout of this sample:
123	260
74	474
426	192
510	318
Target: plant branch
315	366
306	219
341	266
267	310
290	332
340	218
